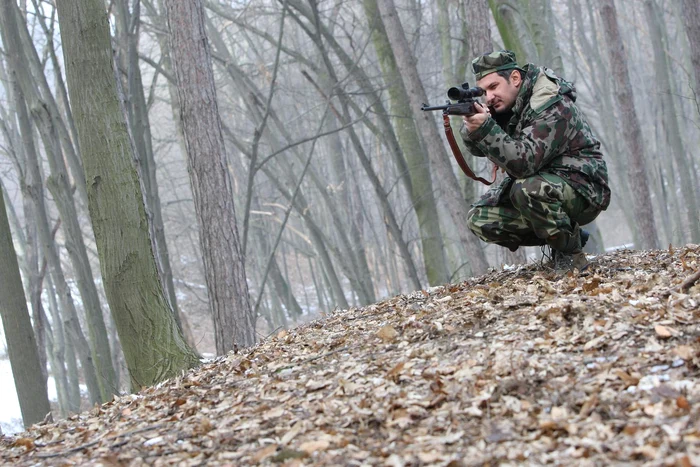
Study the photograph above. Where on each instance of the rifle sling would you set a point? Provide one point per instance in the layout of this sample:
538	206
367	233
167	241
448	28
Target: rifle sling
458	154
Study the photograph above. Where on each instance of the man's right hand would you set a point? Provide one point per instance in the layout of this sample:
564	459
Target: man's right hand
474	122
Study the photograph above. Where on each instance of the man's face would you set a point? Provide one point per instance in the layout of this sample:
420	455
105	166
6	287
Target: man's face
500	93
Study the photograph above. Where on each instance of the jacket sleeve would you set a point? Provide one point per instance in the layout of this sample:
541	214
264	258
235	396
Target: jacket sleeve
469	144
546	137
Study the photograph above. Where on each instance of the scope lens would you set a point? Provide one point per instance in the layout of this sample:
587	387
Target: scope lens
454	93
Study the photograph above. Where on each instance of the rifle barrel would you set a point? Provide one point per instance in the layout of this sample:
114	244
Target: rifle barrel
434	107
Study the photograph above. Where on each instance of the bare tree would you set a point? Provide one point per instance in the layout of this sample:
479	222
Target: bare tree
152	343
432	142
234	323
21	344
636	169
673	141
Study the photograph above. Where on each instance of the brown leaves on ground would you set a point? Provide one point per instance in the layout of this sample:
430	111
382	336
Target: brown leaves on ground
515	366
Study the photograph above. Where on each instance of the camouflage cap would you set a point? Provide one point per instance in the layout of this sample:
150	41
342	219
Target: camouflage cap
492	62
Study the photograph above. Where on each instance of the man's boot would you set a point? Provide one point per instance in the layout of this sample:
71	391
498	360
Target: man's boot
568	249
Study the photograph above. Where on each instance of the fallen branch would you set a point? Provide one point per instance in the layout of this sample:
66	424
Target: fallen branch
92	443
688	283
311	359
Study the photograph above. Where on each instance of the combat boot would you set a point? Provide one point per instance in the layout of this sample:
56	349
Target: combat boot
568	250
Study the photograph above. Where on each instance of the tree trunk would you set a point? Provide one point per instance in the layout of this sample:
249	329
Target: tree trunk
636	168
540	18
429	133
691	13
21	345
10	38
58	184
153	345
44	103
514	31
128	33
211	185
420	188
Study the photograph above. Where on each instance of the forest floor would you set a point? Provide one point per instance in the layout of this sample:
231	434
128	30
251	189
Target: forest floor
516	366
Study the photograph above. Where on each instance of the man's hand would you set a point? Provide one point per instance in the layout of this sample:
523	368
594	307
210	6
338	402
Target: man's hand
475	121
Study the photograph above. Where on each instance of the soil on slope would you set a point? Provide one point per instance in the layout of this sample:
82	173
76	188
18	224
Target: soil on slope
516	366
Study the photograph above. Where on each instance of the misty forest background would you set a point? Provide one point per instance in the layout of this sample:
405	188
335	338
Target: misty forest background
344	192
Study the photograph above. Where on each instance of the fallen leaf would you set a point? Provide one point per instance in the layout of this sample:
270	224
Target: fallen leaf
313	446
685	352
387	333
627	378
264	453
394	372
682	403
291	434
28	443
312	385
665	332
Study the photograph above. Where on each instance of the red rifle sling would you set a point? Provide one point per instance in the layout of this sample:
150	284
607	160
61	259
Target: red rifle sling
458	154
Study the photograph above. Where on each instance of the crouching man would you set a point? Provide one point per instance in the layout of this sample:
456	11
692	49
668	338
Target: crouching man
556	179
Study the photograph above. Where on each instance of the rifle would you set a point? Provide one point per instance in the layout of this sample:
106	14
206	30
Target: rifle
466	99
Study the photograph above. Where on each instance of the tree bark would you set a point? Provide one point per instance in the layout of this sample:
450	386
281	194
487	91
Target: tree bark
514	31
429	133
674	139
10	38
153	345
128	33
636	168
691	10
234	323
420	186
21	344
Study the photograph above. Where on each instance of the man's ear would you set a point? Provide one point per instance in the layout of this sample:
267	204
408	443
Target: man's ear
515	78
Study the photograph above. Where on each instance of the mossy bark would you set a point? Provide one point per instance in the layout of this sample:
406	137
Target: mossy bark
153	345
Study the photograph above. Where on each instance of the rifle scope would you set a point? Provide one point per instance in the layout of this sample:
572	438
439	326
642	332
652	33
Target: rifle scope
464	92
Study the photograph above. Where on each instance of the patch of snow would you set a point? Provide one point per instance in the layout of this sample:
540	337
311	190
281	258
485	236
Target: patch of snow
10	412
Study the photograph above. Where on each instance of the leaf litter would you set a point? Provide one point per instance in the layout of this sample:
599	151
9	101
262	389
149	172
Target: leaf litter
516	366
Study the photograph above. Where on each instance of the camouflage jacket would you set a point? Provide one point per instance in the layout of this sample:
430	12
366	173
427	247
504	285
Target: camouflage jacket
547	133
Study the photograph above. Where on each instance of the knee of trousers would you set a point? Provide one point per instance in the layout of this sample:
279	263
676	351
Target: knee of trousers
524	190
475	222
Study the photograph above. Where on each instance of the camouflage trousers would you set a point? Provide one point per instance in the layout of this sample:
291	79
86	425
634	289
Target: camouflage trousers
533	210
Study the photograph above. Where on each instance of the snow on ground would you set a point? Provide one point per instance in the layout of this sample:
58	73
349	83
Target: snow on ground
10	414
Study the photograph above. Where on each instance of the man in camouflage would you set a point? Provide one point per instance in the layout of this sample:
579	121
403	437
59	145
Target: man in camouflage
556	179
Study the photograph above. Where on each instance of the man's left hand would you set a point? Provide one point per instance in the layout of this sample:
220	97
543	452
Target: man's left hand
475	121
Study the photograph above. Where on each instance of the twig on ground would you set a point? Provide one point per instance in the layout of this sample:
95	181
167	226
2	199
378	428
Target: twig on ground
311	359
688	283
92	443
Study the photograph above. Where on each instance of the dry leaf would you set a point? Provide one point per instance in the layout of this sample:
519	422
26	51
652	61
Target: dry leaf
313	446
312	385
517	384
291	434
264	453
665	332
682	403
685	352
387	333
27	443
394	372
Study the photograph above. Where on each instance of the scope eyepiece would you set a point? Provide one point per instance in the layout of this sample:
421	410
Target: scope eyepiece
464	92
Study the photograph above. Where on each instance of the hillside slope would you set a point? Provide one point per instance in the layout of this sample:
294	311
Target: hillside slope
514	366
